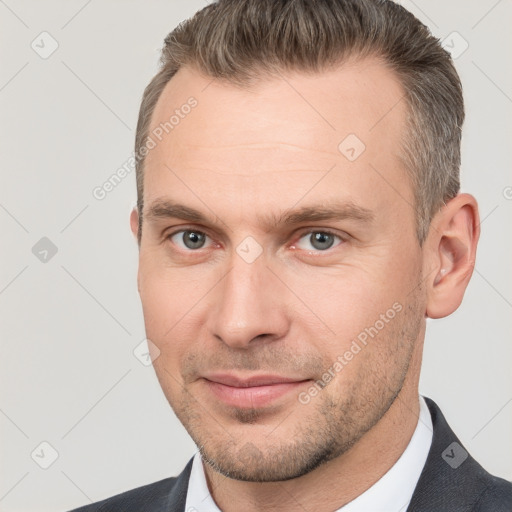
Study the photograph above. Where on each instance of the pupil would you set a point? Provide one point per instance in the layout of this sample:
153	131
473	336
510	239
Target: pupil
322	240
193	239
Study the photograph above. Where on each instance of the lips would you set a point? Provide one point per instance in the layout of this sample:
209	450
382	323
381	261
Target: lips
255	380
251	392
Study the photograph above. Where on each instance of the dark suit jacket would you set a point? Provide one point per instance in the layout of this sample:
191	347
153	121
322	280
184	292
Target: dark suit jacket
451	481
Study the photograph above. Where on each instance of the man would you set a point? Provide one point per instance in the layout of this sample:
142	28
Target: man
298	219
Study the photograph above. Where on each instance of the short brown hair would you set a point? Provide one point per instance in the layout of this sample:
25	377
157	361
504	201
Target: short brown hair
243	40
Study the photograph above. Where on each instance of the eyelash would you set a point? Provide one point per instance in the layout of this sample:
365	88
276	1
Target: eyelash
324	232
341	239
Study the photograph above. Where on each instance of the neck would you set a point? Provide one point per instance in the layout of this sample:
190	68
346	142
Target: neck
339	481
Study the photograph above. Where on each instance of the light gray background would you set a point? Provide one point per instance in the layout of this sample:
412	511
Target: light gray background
69	326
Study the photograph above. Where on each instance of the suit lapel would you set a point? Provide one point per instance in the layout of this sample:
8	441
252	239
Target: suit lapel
177	498
451	479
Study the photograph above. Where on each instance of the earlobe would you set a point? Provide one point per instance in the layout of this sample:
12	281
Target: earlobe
452	243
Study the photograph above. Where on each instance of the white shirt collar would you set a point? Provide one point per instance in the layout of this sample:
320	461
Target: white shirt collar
391	493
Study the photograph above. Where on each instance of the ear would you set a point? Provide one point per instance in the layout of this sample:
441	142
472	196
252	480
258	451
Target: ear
451	252
134	226
134	222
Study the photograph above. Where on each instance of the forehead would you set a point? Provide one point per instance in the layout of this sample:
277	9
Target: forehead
281	133
363	97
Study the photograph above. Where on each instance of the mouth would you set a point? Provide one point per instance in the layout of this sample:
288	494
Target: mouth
252	392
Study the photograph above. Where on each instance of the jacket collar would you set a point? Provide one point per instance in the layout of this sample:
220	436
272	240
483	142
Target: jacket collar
451	479
177	498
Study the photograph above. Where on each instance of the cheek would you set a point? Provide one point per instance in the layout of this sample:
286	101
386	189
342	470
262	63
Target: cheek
163	307
159	305
168	295
354	304
174	302
345	301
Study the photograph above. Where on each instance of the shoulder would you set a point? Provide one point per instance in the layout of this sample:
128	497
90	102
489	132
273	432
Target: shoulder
496	496
452	480
155	494
168	494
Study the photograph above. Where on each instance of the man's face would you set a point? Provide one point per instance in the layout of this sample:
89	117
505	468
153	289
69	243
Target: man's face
302	255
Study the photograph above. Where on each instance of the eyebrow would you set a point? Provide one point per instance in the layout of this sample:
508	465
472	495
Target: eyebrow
166	209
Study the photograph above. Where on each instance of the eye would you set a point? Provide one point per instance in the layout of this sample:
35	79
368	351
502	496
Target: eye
318	241
189	239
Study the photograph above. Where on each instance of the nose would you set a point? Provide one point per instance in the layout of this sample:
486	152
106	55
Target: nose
250	305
